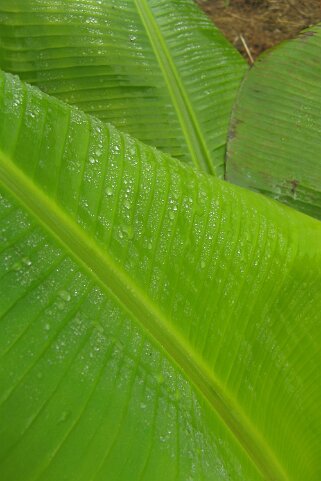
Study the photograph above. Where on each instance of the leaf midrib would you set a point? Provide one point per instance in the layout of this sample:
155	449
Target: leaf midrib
185	113
113	279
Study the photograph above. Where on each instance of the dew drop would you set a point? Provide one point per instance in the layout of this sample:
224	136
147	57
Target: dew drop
17	266
26	261
98	327
176	195
61	305
64	295
109	191
128	231
203	264
63	417
171	215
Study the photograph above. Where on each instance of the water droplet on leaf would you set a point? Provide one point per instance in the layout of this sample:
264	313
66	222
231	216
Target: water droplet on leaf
26	261
64	295
64	416
128	231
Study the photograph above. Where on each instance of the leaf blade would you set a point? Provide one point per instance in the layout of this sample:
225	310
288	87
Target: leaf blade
121	71
171	276
275	142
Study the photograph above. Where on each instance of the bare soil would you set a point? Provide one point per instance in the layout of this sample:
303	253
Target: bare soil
256	25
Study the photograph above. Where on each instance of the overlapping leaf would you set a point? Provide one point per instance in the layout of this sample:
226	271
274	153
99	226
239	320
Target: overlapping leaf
155	323
275	138
156	69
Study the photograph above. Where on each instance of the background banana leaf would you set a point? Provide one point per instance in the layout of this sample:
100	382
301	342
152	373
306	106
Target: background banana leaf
275	136
156	323
157	69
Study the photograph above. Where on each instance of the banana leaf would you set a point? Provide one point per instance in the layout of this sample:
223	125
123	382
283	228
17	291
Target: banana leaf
275	135
158	70
156	323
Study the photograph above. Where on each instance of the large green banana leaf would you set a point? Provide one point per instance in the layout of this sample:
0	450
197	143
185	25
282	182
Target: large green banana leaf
157	69
156	323
275	138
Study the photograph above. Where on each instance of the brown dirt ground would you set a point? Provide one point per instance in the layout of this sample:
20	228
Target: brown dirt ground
256	25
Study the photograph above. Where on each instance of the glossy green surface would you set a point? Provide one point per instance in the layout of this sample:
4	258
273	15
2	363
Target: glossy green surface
157	69
156	323
275	136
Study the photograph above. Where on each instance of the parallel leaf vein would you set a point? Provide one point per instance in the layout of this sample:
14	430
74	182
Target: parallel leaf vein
101	266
